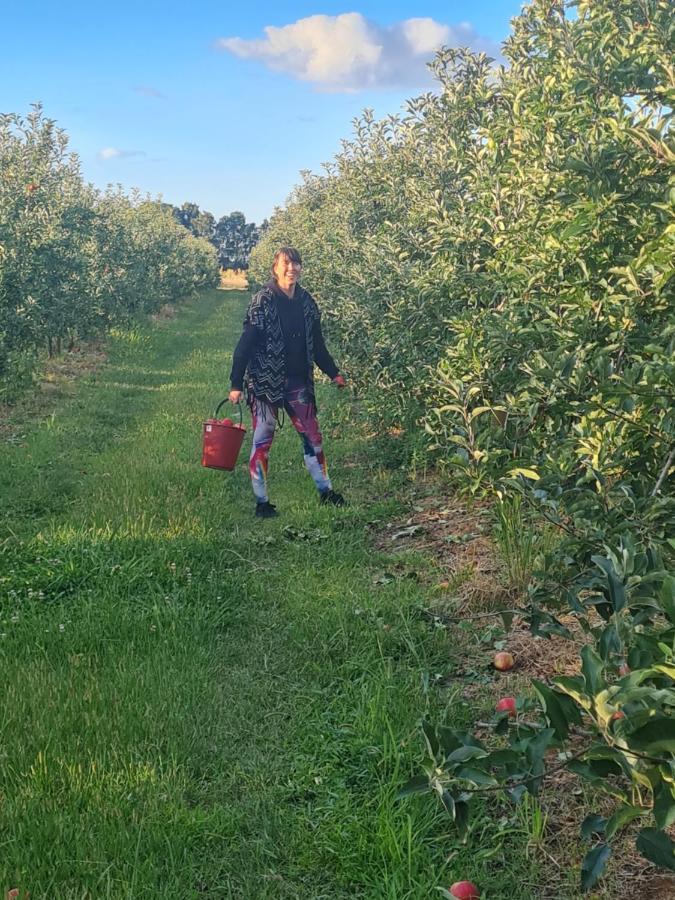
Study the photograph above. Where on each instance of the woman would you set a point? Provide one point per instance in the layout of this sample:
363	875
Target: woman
276	353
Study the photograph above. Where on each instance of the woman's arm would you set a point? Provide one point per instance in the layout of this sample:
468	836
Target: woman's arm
242	355
322	357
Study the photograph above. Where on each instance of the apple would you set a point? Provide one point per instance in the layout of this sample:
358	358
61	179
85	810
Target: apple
31	188
503	661
507	704
619	714
465	890
226	422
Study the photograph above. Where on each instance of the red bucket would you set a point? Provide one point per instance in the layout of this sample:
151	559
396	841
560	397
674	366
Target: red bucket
222	441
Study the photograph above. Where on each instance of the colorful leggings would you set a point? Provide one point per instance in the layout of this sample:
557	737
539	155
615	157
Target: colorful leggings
302	414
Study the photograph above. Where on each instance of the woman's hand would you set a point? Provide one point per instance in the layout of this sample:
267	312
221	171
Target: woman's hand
235	396
339	381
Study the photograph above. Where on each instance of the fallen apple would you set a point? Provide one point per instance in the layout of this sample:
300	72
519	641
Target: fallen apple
508	705
465	890
503	661
31	188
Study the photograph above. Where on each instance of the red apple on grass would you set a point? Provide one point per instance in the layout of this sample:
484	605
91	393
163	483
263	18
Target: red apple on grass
465	890
503	661
507	704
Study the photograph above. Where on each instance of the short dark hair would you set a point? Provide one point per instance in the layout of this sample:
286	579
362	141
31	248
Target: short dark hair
289	252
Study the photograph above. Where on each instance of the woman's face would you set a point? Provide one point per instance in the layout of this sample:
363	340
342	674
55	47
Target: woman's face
286	271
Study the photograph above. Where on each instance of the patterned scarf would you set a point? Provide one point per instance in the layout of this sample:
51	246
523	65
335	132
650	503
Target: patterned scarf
266	373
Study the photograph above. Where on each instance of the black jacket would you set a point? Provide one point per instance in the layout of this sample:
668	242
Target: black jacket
282	336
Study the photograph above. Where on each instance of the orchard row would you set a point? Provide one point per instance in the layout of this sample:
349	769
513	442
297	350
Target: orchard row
497	264
74	261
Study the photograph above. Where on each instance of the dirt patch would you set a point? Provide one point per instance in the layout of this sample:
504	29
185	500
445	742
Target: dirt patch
457	536
546	658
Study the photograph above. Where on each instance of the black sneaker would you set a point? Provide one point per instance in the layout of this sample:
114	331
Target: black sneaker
331	496
265	510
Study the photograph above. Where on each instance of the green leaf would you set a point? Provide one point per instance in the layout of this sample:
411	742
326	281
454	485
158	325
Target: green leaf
599	753
526	473
516	793
594	865
431	739
616	588
657	735
667	594
448	802
592	666
664	805
622	816
448	739
467	773
592	824
586	771
462	754
657	847
617	592
417	785
573	686
575	227
665	670
462	818
555	712
577	165
478	411
609	642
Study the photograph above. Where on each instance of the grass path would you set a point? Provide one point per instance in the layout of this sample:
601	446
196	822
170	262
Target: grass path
196	703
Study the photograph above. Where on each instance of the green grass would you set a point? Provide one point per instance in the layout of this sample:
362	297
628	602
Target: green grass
196	703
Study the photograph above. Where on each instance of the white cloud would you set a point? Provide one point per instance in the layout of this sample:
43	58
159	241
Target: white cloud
350	53
147	91
115	153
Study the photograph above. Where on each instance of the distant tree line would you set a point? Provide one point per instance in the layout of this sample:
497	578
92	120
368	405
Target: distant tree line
233	237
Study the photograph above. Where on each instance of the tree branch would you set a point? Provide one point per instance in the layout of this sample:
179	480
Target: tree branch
664	472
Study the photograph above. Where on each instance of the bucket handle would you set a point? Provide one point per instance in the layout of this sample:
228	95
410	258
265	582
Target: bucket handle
222	403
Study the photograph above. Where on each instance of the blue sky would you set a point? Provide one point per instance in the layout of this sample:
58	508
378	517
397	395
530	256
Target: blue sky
204	103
